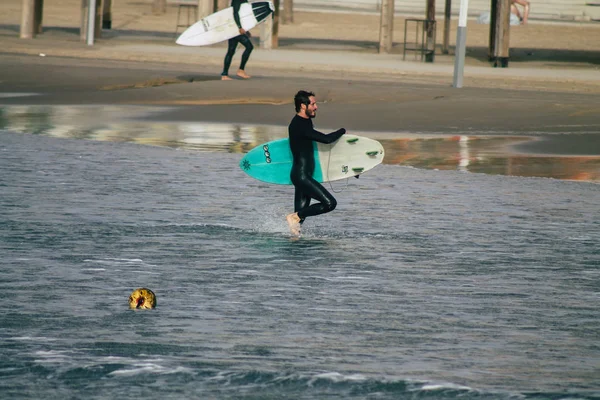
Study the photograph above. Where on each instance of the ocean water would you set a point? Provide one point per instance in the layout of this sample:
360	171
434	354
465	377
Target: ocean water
422	284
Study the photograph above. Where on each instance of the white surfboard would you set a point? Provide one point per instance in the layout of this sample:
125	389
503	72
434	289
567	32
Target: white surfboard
221	25
349	156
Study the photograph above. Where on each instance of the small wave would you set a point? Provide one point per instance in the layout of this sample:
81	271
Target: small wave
337	377
349	278
332	384
33	339
443	386
149	368
113	261
17	94
52	357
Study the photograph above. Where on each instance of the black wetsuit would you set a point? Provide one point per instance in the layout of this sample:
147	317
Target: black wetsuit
301	135
233	42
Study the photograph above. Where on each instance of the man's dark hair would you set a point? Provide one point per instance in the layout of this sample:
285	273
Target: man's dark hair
302	97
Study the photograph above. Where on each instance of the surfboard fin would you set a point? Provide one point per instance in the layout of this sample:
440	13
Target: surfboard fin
372	153
358	170
352	140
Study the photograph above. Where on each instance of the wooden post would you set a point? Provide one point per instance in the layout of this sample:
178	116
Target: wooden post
28	20
98	19
276	24
386	26
447	22
205	8
39	11
83	23
288	12
159	7
107	14
430	27
502	33
492	38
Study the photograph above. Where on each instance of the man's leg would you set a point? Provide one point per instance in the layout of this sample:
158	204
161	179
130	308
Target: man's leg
294	221
231	45
301	201
314	190
247	43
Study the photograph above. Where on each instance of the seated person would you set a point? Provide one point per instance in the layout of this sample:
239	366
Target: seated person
515	10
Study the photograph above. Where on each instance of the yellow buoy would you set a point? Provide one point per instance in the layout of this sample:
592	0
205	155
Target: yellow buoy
142	298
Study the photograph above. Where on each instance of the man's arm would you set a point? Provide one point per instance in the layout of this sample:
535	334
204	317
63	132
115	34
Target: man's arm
236	4
317	136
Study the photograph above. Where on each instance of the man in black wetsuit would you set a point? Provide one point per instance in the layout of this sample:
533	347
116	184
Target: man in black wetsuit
243	38
301	137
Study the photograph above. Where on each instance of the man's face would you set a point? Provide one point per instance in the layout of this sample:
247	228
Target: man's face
311	108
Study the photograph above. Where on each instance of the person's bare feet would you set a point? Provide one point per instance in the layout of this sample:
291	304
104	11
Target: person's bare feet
225	78
293	221
242	74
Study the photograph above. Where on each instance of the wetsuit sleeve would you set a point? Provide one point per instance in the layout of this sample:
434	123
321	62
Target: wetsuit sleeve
317	136
236	4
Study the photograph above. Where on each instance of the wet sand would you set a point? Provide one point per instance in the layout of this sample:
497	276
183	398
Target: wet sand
366	104
559	110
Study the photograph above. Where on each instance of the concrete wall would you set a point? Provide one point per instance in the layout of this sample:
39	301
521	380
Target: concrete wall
562	10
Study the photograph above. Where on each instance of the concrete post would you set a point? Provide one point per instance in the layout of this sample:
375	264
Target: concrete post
266	34
288	12
222	4
386	26
85	17
28	20
461	41
205	8
159	7
91	22
275	30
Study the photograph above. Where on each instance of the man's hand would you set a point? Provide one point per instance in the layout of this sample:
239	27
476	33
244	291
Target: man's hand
242	31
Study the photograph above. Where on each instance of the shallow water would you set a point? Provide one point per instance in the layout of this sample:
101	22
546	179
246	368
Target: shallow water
421	284
481	152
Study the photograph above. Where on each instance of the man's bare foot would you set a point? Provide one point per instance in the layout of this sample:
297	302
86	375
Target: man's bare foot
225	78
242	74
293	221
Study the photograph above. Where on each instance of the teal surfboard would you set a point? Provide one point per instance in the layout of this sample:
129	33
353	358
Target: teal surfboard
350	156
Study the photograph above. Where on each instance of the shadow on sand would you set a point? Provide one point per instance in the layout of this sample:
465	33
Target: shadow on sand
550	57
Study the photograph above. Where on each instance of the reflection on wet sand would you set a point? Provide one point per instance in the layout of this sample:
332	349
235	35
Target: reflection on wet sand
480	154
489	155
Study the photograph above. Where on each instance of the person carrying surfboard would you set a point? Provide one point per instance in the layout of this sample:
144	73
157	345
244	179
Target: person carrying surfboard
301	138
244	39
